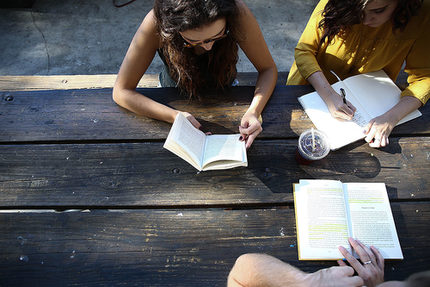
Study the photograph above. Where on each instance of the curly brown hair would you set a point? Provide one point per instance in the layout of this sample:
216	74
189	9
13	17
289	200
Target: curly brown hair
339	15
174	16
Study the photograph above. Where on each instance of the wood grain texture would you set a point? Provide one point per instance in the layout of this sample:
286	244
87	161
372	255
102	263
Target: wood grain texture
169	247
145	174
67	82
74	115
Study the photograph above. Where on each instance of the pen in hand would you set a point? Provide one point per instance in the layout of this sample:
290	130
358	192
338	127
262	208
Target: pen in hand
343	96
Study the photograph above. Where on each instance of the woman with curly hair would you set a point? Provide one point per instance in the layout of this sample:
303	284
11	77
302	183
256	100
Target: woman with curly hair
352	37
198	42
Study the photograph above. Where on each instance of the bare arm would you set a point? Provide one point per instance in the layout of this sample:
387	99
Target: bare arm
255	48
258	270
332	99
263	270
139	56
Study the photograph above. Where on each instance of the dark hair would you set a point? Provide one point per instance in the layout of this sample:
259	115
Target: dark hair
339	15
174	16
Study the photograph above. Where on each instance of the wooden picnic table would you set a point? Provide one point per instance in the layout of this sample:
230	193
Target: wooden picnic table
89	197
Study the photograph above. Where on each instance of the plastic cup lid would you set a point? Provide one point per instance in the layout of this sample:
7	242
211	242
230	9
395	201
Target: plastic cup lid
313	148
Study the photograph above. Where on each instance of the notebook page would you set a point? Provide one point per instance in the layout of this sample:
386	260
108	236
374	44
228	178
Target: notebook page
377	92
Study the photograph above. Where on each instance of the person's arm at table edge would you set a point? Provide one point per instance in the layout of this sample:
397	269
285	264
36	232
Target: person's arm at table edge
258	270
255	48
308	66
413	97
138	58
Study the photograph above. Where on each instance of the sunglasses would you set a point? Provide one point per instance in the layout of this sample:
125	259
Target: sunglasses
207	41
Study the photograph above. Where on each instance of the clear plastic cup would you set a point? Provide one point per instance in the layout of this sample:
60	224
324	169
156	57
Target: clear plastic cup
312	145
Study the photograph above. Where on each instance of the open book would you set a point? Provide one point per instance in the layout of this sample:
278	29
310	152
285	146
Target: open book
329	211
372	94
205	152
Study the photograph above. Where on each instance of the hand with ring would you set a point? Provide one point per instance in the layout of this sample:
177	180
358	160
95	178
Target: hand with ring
371	268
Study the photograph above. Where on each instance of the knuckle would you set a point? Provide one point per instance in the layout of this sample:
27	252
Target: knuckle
365	276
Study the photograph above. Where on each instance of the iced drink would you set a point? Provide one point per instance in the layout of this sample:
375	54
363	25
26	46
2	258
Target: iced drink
313	145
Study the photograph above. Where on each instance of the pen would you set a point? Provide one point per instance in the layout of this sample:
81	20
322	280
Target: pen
343	95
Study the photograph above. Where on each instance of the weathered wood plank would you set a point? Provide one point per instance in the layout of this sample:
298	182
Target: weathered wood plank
145	174
169	247
92	115
66	82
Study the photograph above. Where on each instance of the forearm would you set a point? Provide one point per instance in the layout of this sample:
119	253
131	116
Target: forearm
258	270
263	90
141	105
406	105
322	86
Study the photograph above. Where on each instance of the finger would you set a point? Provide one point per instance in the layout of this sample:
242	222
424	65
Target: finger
378	256
357	281
351	259
194	122
383	141
370	135
359	250
368	251
250	140
251	128
341	114
351	106
347	110
347	270
368	127
341	263
375	143
208	133
243	135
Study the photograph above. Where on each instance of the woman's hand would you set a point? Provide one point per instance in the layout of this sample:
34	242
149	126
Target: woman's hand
250	128
378	130
338	108
371	268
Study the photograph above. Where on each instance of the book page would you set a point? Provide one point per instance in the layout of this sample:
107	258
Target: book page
377	92
371	218
224	148
186	141
321	219
339	132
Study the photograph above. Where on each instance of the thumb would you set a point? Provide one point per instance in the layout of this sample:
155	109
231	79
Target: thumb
194	122
368	126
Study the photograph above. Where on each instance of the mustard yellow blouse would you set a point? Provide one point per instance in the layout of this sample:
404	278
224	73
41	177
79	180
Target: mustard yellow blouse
365	49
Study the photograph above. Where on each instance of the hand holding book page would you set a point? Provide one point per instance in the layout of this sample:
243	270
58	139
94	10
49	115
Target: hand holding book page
372	94
205	152
328	212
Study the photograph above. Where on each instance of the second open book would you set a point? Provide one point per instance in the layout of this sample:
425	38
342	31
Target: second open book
205	152
372	94
329	211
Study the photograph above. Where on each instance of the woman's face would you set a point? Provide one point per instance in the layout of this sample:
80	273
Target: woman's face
205	36
377	12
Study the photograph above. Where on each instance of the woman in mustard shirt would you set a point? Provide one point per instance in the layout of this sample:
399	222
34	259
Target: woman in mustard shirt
361	36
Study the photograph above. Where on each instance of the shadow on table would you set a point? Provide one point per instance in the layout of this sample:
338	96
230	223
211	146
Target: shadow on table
277	168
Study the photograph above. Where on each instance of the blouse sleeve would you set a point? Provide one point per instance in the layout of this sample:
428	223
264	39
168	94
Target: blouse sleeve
308	44
418	66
